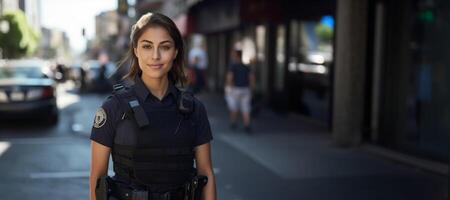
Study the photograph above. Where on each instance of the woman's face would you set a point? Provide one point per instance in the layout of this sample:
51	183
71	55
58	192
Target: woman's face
155	52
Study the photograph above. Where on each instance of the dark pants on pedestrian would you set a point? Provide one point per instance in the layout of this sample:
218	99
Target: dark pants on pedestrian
200	81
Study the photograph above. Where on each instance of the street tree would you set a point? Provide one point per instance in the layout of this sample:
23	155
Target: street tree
19	39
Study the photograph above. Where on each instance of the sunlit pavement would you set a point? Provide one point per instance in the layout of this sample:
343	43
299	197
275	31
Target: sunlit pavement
286	157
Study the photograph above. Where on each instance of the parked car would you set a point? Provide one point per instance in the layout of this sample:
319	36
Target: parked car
27	91
98	75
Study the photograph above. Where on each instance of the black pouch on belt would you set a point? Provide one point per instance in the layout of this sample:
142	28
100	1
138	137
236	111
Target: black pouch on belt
196	187
103	188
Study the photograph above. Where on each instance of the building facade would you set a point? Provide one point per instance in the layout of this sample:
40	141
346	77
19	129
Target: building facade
373	71
407	64
54	44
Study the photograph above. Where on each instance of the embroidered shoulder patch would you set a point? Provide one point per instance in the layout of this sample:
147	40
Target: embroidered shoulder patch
100	118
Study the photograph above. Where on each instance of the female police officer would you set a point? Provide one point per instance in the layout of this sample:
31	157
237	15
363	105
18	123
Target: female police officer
157	135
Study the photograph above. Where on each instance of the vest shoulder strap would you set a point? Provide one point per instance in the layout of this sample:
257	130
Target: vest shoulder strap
130	104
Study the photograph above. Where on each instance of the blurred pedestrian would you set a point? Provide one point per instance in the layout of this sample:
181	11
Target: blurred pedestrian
83	77
198	61
191	75
158	136
102	72
102	83
60	73
240	81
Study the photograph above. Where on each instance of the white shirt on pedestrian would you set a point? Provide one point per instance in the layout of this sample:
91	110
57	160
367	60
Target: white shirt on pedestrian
201	55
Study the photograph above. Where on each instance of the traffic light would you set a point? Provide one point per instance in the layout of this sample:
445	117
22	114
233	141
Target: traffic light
123	7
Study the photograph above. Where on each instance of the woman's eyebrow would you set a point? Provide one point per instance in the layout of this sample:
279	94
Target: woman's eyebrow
147	41
165	41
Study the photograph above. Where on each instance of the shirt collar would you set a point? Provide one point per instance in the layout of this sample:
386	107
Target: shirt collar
143	93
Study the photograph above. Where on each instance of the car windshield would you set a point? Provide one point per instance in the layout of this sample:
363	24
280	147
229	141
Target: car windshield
21	72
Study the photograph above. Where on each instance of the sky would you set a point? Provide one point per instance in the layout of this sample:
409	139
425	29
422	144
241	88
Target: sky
71	16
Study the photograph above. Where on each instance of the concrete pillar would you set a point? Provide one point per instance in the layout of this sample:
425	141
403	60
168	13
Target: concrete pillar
350	71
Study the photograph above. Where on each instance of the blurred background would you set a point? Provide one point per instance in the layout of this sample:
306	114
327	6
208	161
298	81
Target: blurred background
351	98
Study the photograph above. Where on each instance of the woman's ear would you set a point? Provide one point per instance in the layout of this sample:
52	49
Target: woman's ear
176	53
135	51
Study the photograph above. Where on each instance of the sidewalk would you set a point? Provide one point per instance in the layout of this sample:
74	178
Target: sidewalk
296	148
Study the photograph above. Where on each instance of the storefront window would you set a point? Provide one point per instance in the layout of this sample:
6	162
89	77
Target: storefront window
415	112
310	61
431	94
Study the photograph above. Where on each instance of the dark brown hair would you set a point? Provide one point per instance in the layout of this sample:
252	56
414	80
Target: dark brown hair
176	73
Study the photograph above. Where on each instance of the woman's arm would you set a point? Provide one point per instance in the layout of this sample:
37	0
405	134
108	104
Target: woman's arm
99	165
204	167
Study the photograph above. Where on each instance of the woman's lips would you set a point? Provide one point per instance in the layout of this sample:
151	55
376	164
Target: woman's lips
155	66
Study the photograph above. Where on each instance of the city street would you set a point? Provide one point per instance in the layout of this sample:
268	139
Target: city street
286	157
340	100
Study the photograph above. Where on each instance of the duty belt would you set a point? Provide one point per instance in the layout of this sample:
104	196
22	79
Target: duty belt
190	191
134	194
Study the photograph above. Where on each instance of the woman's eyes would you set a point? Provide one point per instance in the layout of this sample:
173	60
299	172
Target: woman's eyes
164	48
147	46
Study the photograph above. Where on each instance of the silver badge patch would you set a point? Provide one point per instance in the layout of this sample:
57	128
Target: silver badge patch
100	118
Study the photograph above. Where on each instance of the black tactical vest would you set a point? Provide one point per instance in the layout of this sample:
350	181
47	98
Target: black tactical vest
154	146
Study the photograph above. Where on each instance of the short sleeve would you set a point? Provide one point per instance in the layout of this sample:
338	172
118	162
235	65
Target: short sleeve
203	129
104	126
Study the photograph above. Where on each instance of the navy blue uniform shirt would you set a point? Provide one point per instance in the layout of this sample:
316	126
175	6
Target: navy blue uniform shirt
110	114
241	74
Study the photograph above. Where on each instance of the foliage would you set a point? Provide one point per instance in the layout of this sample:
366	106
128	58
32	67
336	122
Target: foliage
20	39
324	32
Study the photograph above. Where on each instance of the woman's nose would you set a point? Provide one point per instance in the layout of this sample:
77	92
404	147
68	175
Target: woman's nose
156	55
